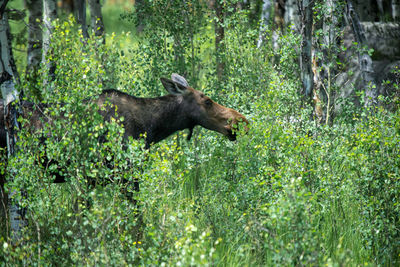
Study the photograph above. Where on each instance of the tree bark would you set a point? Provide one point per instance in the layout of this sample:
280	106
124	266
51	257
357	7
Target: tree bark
364	60
219	37
396	10
10	94
80	15
49	15
264	22
306	18
279	14
330	25
96	18
139	5
35	39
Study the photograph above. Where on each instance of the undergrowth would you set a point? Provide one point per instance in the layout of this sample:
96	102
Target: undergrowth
289	192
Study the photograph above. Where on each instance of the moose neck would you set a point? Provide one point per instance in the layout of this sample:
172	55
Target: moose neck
168	115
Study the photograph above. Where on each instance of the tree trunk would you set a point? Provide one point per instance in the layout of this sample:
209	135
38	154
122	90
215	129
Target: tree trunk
279	14
49	15
34	55
306	18
80	15
219	37
264	22
396	10
96	18
329	51
292	14
10	94
138	10
365	61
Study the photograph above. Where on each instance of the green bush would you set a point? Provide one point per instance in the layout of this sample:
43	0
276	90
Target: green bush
289	192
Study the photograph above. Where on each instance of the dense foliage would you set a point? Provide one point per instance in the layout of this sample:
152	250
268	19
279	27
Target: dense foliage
289	192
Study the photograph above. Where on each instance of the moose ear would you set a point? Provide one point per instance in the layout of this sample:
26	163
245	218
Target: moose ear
179	79
173	87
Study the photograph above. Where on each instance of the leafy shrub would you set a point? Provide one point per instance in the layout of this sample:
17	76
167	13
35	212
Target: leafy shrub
288	192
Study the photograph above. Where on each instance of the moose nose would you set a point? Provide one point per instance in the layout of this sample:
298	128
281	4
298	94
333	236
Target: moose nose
245	123
231	135
241	123
236	124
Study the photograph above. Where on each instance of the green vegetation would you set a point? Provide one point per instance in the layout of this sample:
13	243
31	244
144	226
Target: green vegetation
289	192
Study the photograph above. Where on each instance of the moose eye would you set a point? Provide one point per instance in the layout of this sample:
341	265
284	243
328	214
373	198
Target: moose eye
208	102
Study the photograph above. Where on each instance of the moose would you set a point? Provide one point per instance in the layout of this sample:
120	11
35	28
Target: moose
159	117
152	118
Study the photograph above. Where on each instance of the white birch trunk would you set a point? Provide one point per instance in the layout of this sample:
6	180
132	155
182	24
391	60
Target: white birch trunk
396	10
330	25
49	15
306	18
34	55
9	95
264	22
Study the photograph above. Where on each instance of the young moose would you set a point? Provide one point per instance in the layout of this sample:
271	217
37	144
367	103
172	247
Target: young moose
154	118
159	117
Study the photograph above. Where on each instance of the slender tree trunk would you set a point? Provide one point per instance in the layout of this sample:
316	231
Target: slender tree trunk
306	18
139	5
80	15
9	95
264	22
219	38
330	25
3	42
16	212
279	14
97	25
396	10
365	61
34	55
96	18
279	11
49	15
